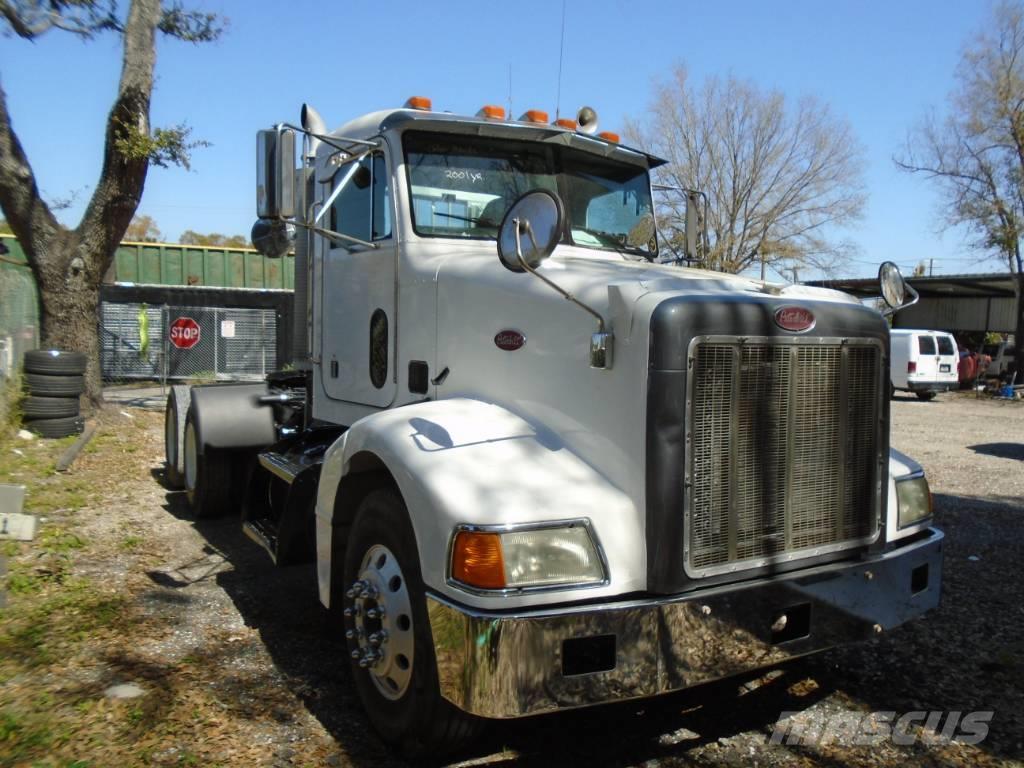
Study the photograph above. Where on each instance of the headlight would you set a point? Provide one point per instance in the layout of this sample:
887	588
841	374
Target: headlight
914	501
546	556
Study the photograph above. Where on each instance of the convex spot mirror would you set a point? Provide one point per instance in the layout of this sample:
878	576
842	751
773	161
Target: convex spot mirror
530	230
894	287
272	237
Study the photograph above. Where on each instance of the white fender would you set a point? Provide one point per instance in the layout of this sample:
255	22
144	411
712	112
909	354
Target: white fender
465	461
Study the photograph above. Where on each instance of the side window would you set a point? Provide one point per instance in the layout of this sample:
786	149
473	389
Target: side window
381	199
926	345
362	208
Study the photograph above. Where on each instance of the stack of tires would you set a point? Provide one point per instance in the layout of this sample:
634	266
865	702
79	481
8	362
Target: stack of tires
54	380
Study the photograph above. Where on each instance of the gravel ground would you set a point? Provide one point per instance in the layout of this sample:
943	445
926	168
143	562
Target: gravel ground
239	669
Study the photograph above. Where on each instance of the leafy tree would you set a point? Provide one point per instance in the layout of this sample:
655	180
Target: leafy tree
143	229
69	263
975	152
190	237
779	178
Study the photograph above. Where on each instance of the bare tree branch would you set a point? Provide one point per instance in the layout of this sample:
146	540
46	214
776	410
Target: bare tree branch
777	179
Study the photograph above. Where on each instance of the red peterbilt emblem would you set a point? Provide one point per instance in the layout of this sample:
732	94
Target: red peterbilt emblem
794	319
509	340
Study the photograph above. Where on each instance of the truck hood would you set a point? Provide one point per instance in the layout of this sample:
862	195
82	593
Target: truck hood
610	281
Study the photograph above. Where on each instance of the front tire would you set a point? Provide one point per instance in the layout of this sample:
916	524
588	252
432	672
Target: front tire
388	634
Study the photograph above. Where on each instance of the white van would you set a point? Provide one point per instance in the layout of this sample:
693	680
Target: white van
923	362
1003	354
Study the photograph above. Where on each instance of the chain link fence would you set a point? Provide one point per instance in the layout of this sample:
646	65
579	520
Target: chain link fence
170	313
19	312
163	343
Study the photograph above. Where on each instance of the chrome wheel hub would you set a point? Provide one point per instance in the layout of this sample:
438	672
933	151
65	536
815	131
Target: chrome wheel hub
379	617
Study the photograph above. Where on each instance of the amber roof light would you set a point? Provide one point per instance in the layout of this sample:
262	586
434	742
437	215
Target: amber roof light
491	111
534	116
419	102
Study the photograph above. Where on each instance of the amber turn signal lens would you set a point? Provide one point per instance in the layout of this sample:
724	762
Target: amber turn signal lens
477	560
565	122
419	102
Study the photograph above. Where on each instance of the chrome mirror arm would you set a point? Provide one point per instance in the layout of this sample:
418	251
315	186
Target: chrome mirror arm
600	342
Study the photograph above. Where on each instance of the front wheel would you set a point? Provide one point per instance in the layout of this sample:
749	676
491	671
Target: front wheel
388	634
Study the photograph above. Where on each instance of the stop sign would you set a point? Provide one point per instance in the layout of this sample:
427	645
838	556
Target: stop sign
184	333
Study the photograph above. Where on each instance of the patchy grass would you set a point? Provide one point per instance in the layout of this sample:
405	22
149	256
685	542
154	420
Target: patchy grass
54	617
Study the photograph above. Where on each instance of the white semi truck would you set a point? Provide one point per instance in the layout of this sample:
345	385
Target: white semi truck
536	469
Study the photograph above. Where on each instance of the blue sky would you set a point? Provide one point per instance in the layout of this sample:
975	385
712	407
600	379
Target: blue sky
880	65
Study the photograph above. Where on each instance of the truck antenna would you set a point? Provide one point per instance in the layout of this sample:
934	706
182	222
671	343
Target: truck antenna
510	90
561	50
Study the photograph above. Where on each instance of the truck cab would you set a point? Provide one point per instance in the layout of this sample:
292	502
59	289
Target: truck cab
537	468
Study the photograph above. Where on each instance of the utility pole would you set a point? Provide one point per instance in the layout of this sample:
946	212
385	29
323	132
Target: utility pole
931	263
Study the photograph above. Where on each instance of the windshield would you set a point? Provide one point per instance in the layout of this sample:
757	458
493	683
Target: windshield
461	186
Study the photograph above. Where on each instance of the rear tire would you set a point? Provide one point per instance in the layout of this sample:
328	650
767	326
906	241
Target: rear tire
399	690
174	437
925	396
207	474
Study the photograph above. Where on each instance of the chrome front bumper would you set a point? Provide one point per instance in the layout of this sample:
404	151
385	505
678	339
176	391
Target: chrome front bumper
501	665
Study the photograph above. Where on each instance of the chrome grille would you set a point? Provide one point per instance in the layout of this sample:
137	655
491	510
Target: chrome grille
783	449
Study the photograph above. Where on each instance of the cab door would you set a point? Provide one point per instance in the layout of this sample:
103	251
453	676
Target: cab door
358	334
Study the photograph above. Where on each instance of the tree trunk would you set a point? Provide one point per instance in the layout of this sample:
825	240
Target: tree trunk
69	264
69	295
1018	334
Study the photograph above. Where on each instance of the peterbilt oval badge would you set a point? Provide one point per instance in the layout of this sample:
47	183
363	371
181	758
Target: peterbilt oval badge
796	319
509	340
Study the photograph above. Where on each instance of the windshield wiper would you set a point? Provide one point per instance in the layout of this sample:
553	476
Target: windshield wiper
481	222
616	243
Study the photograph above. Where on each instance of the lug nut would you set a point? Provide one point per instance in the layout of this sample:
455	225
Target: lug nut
357	587
375	613
355	654
350	634
378	638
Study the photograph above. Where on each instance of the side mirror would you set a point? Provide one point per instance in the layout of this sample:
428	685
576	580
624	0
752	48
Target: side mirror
692	225
272	237
275	174
530	230
894	287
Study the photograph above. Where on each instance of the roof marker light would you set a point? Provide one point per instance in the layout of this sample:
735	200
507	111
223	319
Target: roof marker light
609	136
566	123
534	116
419	102
491	111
